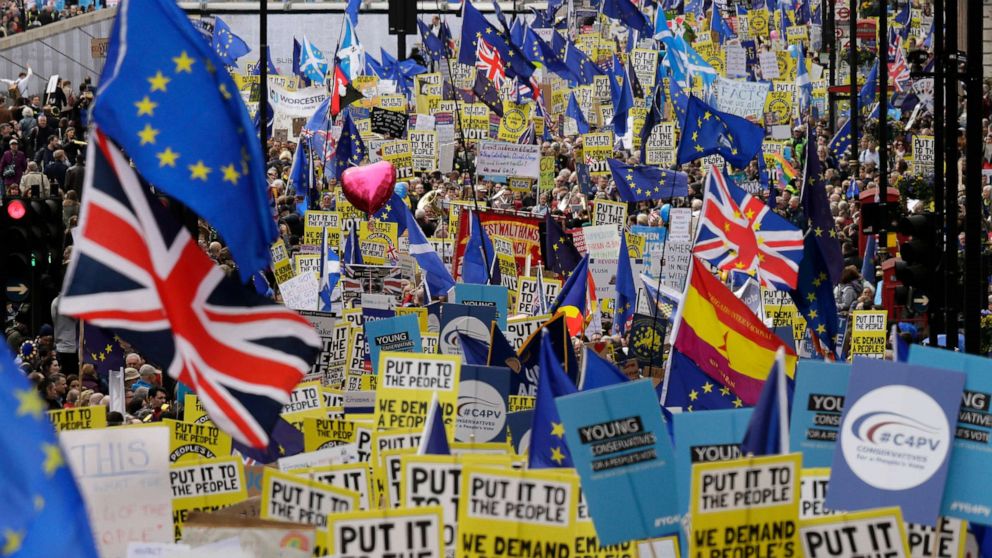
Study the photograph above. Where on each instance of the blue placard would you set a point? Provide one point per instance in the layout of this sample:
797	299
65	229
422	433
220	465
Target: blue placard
816	408
483	403
895	439
652	235
520	423
399	333
624	457
494	296
473	321
971	458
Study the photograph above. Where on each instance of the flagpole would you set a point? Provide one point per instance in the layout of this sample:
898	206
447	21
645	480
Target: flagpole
263	75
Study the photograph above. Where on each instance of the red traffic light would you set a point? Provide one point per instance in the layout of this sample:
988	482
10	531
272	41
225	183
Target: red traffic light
16	209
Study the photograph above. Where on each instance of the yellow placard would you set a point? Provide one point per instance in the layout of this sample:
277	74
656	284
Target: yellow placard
281	266
193	410
419	311
205	485
868	333
79	418
596	149
393	101
514	122
190	441
813	493
406	532
504	509
878	532
605	212
407	381
379	241
306	396
349	476
320	433
387	476
398	153
288	497
384	441
745	507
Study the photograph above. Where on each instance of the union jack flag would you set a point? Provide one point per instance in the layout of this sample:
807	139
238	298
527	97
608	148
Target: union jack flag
899	68
136	270
490	61
739	232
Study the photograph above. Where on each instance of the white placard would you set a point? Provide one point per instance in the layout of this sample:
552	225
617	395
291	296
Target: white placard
497	158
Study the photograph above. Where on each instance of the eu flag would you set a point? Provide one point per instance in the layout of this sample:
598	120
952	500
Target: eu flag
143	103
629	14
487	93
625	300
816	206
598	372
706	131
691	389
103	349
474	27
574	112
623	98
228	46
547	434
643	182
560	255
842	140
394	211
654	116
351	148
814	294
579	67
432	44
38	488
680	100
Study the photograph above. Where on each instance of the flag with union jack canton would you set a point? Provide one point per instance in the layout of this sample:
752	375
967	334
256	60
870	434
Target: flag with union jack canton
739	232
136	270
489	61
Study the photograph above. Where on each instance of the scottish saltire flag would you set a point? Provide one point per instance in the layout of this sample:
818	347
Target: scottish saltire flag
814	295
38	487
437	279
625	297
139	272
738	232
146	90
598	372
816	206
768	430
330	274
350	55
707	131
676	65
479	264
297	70
688	388
351	10
228	46
661	30
693	62
574	112
313	63
803	84
842	140
644	182
548	448
434	439
351	149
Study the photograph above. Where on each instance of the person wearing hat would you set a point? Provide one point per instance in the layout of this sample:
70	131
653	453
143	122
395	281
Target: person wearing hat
146	377
12	165
131	376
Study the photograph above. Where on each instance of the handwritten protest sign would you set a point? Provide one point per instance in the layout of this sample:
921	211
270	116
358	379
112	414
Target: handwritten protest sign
116	468
504	511
406	383
868	333
746	507
742	98
387	122
497	158
411	532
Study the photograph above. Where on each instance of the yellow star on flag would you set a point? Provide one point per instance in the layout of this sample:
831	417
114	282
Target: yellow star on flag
557	456
28	403
167	158
558	429
184	63
12	541
724	391
231	174
707	387
158	82
147	134
821	329
738	403
146	106
53	458
198	171
693	395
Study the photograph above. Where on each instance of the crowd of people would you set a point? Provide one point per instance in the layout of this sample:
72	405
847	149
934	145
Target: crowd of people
42	153
18	15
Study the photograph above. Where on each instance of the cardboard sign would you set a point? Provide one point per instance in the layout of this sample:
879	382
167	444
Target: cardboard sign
877	532
412	532
502	510
329	368
205	485
869	333
196	441
895	438
407	381
80	418
816	410
115	469
424	148
623	454
746	507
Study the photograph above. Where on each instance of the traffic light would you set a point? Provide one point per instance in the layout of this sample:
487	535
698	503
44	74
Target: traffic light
919	261
32	237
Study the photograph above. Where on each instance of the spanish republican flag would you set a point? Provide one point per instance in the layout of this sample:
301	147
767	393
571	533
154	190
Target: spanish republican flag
724	338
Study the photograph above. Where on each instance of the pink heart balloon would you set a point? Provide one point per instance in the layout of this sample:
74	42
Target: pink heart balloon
368	188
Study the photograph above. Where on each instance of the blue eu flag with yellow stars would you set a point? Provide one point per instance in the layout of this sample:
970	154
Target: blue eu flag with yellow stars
228	46
644	182
625	299
690	389
173	108
351	148
814	294
547	435
37	487
706	131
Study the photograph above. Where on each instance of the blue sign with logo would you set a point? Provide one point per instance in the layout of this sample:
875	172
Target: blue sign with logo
971	459
492	296
483	403
398	334
464	319
705	437
624	456
895	439
816	408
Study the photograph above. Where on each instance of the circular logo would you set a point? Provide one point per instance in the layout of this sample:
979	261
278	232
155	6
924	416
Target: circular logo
780	108
514	120
895	447
466	325
481	411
